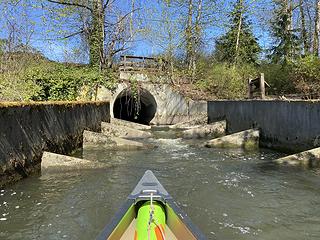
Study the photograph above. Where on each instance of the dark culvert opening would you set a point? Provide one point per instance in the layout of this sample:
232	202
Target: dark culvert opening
139	106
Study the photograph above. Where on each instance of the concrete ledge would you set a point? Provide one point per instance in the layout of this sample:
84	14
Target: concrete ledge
123	131
52	162
99	140
310	158
121	122
248	139
214	130
191	123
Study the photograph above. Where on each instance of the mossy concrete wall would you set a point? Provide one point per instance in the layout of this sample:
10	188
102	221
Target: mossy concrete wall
289	126
29	129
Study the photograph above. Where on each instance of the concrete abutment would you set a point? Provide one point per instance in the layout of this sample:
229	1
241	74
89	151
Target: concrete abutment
151	103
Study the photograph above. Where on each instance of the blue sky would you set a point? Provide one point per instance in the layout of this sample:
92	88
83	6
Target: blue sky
58	49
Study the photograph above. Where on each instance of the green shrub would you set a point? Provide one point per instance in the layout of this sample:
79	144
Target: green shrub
65	82
12	88
299	76
12	85
279	78
26	77
306	75
225	81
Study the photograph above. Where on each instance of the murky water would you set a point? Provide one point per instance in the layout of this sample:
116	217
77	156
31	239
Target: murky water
229	194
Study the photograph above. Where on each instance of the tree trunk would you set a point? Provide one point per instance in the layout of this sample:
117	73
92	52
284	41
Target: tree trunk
290	15
316	30
304	33
111	48
239	32
310	26
97	35
289	28
131	18
189	36
198	22
197	38
286	9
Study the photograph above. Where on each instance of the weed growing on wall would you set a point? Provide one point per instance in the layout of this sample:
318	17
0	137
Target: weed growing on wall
134	90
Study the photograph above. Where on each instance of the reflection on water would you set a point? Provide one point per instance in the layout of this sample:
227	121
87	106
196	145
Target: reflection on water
229	194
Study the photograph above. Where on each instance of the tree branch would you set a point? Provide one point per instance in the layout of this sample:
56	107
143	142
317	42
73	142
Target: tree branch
106	4
73	34
65	37
114	52
122	18
71	4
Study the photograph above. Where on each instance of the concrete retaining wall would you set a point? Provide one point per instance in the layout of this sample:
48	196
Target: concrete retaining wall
28	130
287	126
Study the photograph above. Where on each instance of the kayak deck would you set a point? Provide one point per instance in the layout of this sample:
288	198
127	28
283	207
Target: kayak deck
127	235
126	223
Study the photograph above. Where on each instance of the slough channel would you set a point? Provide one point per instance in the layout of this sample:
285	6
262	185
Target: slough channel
228	194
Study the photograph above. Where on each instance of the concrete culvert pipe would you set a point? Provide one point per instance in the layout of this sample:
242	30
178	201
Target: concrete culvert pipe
138	107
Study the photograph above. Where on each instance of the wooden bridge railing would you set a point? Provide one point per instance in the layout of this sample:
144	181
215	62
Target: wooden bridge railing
139	63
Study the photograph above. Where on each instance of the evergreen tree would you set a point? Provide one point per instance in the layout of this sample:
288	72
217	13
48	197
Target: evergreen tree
286	45
238	45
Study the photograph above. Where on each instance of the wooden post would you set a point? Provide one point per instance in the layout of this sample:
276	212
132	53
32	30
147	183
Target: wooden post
262	87
250	96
